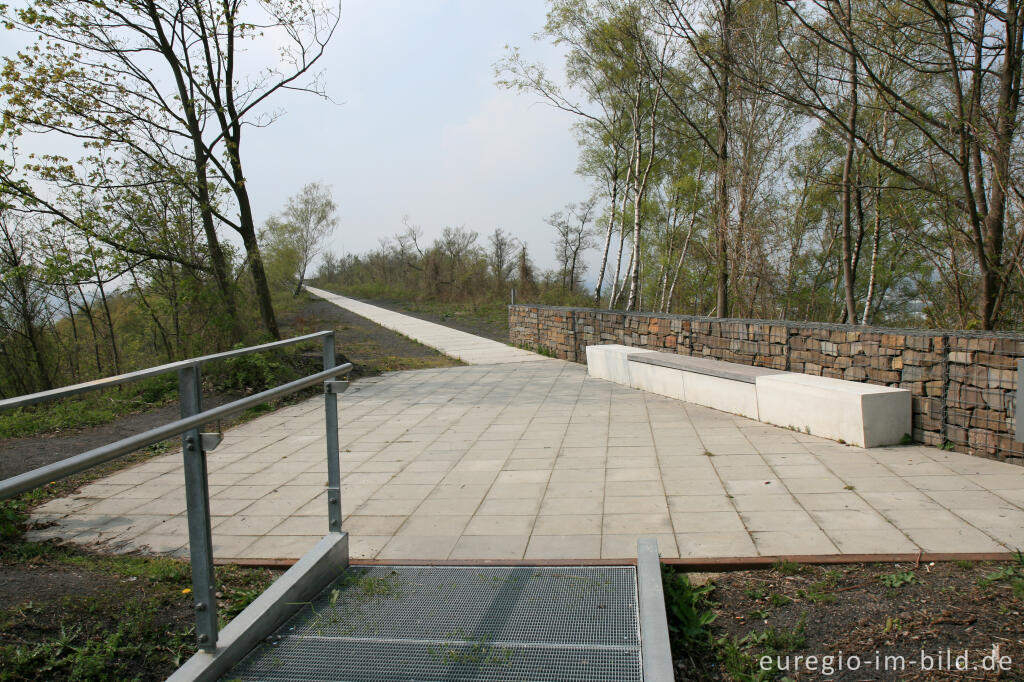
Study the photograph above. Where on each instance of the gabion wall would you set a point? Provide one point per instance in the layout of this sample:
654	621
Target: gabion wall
963	383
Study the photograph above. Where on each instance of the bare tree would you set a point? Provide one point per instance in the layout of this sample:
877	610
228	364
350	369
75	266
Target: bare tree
574	236
500	258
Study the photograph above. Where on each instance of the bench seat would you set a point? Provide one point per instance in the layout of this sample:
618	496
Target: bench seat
852	412
706	366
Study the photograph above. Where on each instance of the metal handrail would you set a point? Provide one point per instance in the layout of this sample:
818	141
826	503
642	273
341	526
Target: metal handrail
194	446
107	382
72	465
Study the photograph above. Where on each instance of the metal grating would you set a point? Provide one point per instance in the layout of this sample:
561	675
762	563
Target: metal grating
487	624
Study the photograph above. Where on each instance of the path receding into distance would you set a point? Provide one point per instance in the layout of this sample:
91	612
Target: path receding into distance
471	349
518	456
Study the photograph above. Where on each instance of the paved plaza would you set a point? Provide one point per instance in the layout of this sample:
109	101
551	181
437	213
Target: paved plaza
529	458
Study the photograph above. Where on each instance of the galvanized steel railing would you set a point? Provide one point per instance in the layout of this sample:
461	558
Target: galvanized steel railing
194	447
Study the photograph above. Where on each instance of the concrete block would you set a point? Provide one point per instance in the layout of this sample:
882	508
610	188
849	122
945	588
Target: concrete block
664	381
609	362
735	397
860	414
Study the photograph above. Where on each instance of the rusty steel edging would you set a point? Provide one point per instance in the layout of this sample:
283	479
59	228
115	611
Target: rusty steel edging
708	564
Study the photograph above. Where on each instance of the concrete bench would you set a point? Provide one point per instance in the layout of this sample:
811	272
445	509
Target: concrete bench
723	386
849	411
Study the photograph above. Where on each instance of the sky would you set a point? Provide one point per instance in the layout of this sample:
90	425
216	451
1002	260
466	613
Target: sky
419	128
415	127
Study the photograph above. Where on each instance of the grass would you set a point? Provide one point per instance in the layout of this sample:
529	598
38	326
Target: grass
91	409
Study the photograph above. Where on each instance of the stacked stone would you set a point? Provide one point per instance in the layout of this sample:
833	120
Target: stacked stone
962	383
982	378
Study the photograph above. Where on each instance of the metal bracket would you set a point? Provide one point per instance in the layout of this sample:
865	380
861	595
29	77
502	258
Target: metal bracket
334	509
335	386
210	441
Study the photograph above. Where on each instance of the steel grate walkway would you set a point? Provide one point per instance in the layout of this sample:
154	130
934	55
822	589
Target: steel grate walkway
487	624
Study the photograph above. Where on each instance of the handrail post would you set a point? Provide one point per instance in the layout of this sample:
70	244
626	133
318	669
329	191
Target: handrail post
197	497
333	464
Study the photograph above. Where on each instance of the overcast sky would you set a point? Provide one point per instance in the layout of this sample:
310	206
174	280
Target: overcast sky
420	129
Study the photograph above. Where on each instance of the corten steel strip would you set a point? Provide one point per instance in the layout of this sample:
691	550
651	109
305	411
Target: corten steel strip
200	542
331	422
72	465
43	396
709	564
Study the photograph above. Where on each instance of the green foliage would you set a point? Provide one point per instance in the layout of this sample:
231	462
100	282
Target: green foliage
785	567
1013	575
899	579
689	610
90	409
253	372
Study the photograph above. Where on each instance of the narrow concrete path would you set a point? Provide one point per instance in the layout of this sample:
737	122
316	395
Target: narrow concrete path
471	349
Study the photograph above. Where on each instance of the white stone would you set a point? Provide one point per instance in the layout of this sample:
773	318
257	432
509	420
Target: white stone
609	362
735	397
860	414
666	381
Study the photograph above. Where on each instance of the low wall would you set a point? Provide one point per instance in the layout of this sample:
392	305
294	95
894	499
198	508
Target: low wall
963	383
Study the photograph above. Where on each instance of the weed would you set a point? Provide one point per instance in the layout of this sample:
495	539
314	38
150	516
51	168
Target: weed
779	641
689	613
907	439
738	663
708	453
784	567
849	487
755	592
899	579
816	596
776	599
963	563
1003	574
365	588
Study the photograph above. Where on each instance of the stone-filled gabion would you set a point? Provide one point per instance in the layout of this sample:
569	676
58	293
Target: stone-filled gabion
963	382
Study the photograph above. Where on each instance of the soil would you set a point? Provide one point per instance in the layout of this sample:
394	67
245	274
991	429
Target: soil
18	455
865	611
70	614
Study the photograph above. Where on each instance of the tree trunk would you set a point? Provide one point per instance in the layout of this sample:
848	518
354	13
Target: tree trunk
874	257
847	198
247	229
608	235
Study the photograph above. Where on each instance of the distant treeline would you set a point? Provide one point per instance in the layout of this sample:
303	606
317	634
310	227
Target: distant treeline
456	267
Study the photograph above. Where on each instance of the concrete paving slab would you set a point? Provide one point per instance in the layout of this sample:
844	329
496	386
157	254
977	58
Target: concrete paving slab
531	458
